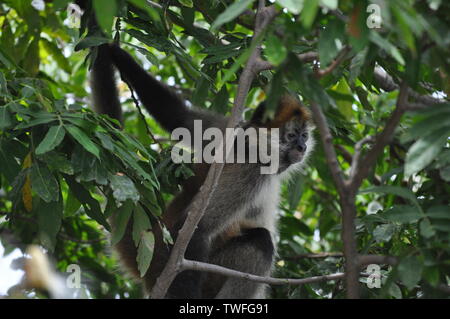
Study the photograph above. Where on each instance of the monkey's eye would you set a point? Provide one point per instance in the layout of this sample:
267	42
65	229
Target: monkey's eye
291	136
305	135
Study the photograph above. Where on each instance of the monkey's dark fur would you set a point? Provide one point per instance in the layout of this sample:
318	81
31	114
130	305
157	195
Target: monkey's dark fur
239	225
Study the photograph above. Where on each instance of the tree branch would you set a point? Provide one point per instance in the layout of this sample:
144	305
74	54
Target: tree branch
327	142
200	202
357	154
386	82
347	203
200	266
342	55
364	260
381	140
315	256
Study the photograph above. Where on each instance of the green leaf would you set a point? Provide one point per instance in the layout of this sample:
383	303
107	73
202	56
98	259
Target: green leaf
230	13
88	42
426	229
186	3
60	4
295	191
35	122
431	274
90	204
5	118
293	6
188	15
56	53
88	167
84	140
344	106
52	139
309	13
57	162
442	225
410	271
201	91
387	46
275	50
383	232
72	204
145	252
141	223
106	141
403	214
275	92
332	4
394	190
3	84
231	72
167	237
43	182
143	4
32	61
441	211
445	173
121	218
328	42
130	161
307	83
49	222
105	10
221	101
428	125
394	291
8	164
425	150
123	188
356	66
149	200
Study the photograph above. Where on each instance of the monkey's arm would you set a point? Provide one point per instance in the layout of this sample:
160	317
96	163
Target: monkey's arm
159	100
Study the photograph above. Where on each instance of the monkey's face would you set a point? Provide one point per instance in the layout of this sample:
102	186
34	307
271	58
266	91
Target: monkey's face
295	142
293	136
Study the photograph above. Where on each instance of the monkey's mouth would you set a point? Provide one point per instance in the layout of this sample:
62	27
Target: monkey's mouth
295	156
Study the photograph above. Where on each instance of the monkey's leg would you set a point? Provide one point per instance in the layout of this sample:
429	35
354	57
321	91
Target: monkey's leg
187	285
252	252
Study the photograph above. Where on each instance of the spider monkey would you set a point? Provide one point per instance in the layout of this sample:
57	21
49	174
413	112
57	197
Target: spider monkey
238	228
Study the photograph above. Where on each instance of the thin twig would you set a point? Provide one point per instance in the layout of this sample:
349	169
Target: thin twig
141	114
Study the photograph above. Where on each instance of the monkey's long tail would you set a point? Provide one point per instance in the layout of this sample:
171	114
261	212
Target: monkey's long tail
103	84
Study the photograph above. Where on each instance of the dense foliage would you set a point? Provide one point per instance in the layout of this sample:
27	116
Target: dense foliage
64	169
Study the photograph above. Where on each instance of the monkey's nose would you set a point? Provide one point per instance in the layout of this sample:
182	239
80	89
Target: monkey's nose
301	147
